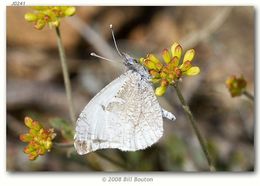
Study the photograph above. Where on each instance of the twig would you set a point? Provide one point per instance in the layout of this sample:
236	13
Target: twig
248	95
194	126
69	145
195	37
63	145
110	160
65	75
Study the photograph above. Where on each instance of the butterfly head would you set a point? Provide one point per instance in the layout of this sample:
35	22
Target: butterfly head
132	64
128	60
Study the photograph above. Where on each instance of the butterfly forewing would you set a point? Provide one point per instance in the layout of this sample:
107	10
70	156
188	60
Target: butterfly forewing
124	115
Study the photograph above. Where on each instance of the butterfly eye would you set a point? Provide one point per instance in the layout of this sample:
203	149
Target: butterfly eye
131	61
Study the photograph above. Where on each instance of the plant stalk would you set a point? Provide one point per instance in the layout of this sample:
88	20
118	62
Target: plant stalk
195	127
63	145
65	75
248	95
119	164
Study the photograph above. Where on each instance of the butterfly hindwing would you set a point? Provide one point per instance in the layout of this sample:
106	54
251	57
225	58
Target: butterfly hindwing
93	113
124	115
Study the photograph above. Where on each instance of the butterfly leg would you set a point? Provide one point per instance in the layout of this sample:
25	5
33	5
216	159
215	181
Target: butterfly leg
168	115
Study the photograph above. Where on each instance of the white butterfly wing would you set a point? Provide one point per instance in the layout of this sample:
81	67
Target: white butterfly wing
124	115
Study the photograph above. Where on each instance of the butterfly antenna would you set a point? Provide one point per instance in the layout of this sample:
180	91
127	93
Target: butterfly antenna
98	56
114	39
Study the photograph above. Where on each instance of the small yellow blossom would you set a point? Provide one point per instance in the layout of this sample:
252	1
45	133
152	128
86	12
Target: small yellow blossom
39	139
236	85
49	15
169	71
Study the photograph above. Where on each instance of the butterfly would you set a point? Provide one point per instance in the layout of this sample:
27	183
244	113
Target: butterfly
125	114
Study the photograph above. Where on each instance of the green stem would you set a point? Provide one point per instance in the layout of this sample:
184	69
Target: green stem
248	95
65	75
194	126
70	145
63	145
110	160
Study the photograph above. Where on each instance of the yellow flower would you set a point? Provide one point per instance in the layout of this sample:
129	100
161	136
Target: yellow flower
49	15
169	71
39	139
235	85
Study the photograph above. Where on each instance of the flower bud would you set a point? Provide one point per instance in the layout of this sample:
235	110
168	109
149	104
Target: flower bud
176	50
39	24
149	64
155	80
189	55
36	125
55	23
41	150
141	60
153	58
193	71
154	73
236	85
171	76
25	137
173	63
159	66
164	83
48	144
160	91
30	17
28	122
70	11
27	150
178	72
185	66
166	55
33	156
163	74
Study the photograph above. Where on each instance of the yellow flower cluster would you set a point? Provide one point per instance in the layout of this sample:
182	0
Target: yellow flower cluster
39	139
236	85
170	70
49	15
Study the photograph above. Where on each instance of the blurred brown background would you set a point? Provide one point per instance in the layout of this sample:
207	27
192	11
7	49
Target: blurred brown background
223	38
